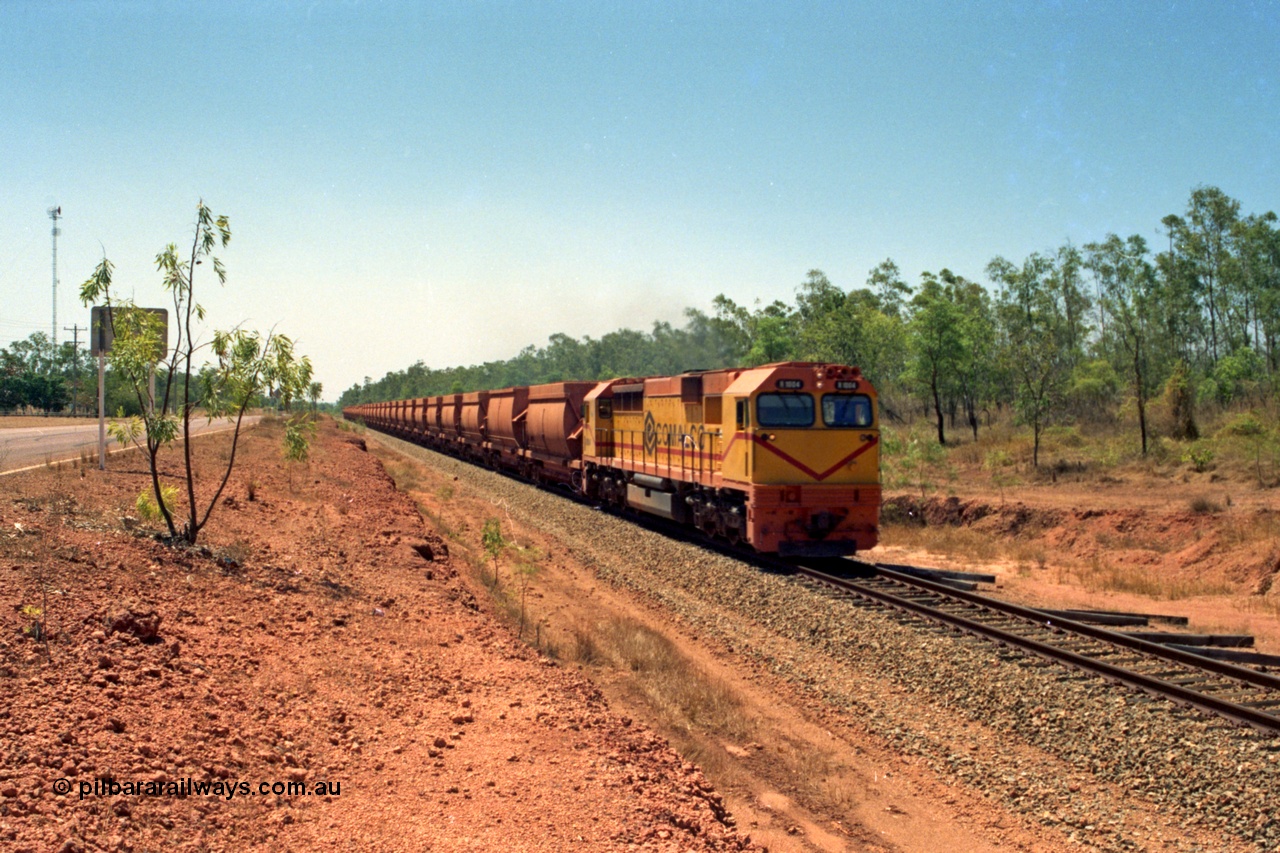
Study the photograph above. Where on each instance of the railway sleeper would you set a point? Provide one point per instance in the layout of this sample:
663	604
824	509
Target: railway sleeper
996	620
1245	697
1225	695
1128	662
1201	683
1173	676
1111	654
925	598
1070	641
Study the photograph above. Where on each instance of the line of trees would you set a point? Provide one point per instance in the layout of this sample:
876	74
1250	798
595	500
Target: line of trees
36	376
1078	332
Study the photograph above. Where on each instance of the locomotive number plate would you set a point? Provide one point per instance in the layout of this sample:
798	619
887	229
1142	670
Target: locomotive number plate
790	384
846	385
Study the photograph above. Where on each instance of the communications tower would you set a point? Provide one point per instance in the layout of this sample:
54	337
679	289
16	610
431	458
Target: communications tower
54	213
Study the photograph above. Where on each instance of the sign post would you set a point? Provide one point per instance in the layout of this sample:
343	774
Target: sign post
101	336
102	418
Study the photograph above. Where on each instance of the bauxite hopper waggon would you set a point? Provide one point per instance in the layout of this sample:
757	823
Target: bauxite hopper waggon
783	457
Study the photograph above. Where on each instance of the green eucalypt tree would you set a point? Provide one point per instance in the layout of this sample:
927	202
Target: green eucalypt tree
245	369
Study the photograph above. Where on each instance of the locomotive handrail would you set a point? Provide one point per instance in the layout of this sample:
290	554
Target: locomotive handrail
627	446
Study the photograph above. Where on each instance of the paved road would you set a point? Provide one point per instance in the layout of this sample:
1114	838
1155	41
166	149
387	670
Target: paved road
25	447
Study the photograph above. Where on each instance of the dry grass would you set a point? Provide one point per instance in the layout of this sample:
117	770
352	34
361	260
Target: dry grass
964	543
969	454
1133	542
1100	575
1246	528
943	539
682	694
1028	555
1265	604
1202	505
1104	450
26	421
406	474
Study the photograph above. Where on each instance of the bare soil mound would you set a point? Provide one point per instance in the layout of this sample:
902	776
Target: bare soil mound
1216	545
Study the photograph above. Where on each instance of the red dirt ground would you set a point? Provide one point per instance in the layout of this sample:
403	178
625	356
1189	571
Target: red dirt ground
322	636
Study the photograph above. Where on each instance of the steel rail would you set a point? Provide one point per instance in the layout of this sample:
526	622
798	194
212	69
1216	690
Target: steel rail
1227	670
1236	713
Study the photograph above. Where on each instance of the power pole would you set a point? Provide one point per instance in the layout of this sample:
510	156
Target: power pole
75	366
54	213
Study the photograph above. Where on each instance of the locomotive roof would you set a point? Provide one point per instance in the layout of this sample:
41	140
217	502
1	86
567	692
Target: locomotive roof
730	380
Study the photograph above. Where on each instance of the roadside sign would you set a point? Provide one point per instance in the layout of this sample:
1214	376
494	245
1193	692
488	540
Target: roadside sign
101	334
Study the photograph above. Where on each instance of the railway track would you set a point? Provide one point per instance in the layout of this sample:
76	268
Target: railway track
1241	695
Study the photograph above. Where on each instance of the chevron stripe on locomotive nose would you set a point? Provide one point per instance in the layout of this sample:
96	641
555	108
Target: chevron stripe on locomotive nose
796	463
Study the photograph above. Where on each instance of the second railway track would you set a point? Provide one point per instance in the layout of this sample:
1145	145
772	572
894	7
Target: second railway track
1239	694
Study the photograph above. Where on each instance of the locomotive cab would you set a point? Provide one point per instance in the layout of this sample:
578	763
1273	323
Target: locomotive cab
806	450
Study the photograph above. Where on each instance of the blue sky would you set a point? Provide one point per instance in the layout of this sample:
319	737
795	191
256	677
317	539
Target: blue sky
452	181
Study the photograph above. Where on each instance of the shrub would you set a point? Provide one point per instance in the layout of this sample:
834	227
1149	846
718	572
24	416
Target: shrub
1204	506
493	542
147	506
1199	455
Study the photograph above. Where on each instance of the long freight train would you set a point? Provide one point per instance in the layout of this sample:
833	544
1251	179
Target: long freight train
784	457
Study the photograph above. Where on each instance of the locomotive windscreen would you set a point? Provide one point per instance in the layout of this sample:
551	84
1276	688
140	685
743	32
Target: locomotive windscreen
784	410
846	410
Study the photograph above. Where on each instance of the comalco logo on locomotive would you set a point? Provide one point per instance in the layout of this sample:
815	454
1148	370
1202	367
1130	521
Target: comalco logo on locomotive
671	435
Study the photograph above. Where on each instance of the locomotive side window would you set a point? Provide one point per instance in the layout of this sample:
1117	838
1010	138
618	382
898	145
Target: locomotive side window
742	414
784	410
846	410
